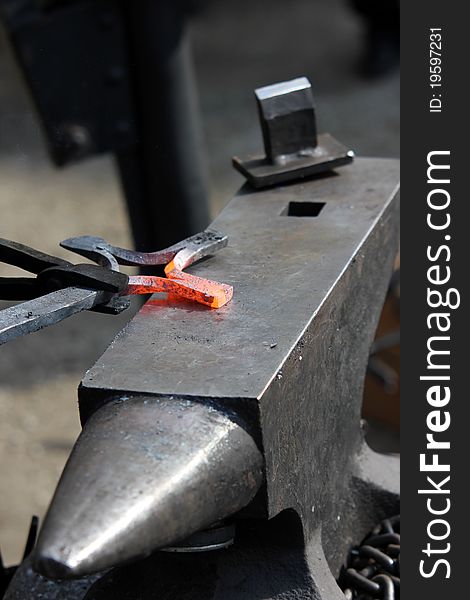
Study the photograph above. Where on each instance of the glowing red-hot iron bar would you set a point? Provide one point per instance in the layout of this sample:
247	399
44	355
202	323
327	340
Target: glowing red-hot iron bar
184	285
176	258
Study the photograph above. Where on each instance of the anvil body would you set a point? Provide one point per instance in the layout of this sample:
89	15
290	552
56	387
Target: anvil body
286	357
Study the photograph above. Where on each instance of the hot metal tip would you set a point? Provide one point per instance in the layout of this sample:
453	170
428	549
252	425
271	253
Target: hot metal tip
145	473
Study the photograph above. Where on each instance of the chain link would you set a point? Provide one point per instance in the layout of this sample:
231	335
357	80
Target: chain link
373	568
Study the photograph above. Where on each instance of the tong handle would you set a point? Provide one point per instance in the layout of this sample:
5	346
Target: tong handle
17	288
27	258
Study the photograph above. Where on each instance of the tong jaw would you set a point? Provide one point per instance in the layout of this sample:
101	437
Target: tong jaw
185	252
199	246
176	258
94	248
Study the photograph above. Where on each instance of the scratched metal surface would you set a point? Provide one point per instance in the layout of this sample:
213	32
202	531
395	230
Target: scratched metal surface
272	260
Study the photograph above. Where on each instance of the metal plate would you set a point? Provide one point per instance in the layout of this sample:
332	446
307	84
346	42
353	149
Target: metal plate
327	155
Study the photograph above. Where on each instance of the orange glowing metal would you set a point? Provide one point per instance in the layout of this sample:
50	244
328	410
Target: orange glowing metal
176	258
184	285
205	291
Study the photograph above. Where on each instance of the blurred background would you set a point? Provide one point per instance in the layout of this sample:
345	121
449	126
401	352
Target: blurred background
236	46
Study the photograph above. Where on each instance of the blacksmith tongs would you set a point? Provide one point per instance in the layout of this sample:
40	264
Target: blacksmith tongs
61	289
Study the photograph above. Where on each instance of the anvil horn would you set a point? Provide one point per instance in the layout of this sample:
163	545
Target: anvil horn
145	473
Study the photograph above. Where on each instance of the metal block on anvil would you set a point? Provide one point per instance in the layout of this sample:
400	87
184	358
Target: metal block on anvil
293	149
310	264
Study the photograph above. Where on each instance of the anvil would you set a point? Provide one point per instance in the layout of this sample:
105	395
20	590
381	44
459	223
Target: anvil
251	412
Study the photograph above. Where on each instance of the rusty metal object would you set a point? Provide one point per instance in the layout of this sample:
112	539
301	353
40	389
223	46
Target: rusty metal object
293	150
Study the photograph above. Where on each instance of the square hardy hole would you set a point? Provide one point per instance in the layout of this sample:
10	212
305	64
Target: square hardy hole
303	209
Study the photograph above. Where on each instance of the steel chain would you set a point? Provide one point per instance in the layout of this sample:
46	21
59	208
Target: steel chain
373	568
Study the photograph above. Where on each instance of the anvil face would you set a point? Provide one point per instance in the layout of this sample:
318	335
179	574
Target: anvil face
282	269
